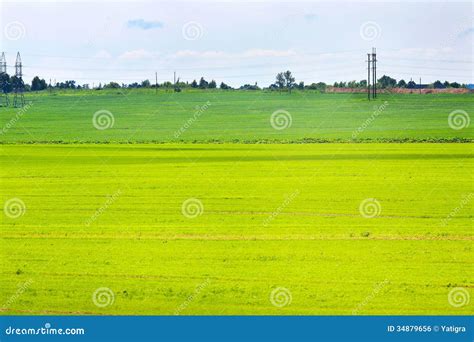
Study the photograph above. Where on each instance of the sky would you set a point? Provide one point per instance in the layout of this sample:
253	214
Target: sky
237	42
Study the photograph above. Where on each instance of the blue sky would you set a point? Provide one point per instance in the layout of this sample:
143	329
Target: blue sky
238	42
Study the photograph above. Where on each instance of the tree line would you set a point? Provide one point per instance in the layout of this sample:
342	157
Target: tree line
284	81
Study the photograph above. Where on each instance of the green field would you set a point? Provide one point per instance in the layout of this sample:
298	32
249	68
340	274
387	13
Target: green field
333	228
273	215
142	116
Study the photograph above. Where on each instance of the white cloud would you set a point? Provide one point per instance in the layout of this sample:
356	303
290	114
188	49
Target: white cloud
199	54
103	54
137	54
268	53
252	53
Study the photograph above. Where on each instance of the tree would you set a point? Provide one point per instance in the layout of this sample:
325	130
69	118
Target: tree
289	80
401	84
203	83
194	84
387	82
455	85
363	84
38	84
280	80
212	85
438	85
5	83
112	85
145	84
16	82
321	86
352	84
411	85
224	86
301	85
250	87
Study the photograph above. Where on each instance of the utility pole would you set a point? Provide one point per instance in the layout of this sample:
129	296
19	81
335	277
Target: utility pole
368	76
374	73
174	79
372	58
420	85
156	82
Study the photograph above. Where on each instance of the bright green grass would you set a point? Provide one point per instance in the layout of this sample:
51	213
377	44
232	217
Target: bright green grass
274	216
140	115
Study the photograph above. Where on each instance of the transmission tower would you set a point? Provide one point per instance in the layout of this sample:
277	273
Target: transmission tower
4	80
374	73
18	84
372	64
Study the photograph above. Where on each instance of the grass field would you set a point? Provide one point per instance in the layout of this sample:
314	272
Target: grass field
97	226
140	115
273	217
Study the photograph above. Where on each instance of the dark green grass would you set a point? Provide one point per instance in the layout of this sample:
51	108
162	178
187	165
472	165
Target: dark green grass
234	116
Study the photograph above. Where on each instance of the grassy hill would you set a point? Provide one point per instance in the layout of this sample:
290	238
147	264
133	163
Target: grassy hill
231	116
